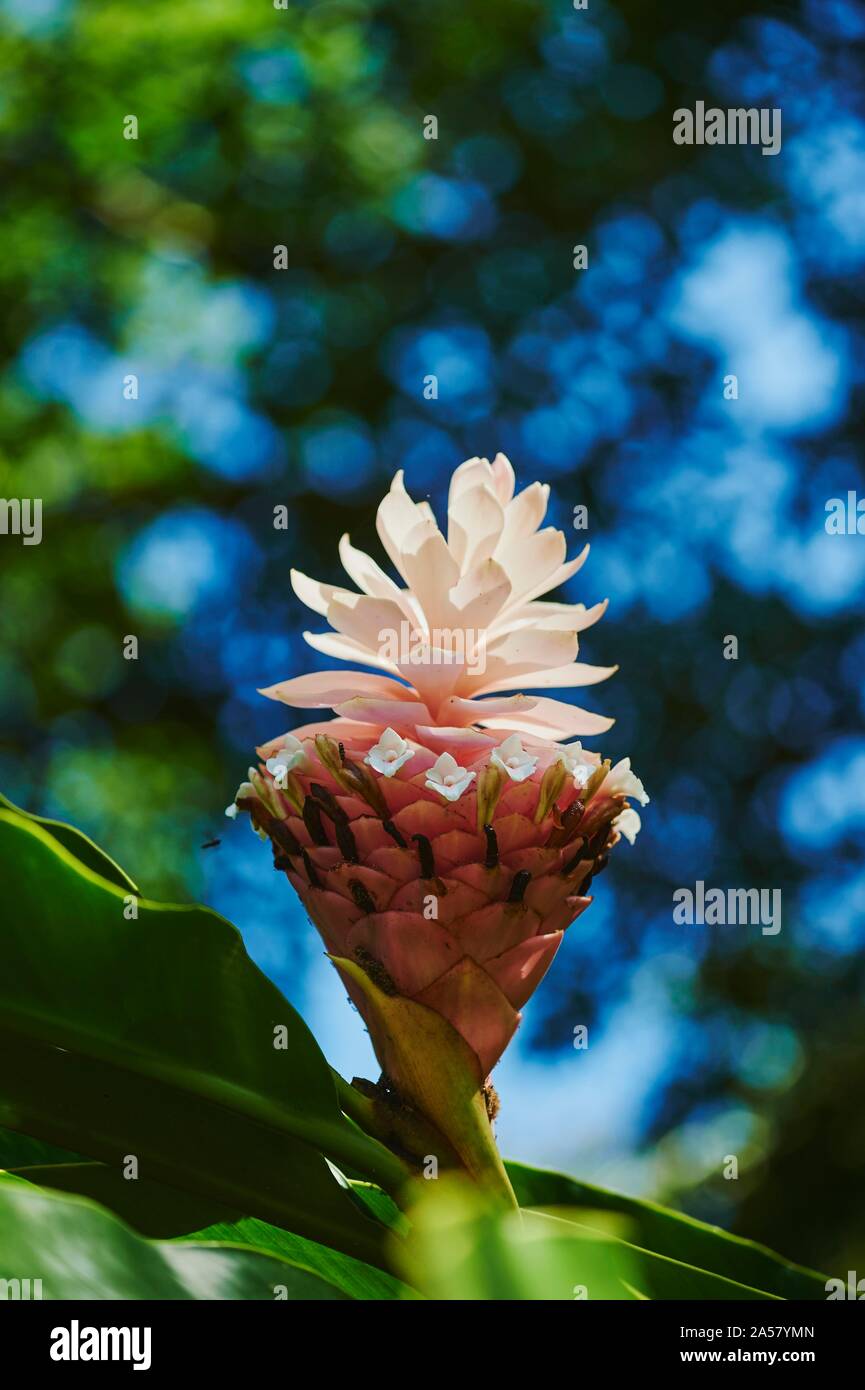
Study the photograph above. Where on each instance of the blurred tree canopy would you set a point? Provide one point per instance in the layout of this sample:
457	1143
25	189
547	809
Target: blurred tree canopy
166	384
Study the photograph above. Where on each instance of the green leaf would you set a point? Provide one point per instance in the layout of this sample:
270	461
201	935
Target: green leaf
359	1280
155	1037
154	1210
79	845
80	1251
382	1207
664	1232
463	1248
151	1208
19	1150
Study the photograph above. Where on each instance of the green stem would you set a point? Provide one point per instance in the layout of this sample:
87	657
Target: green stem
436	1071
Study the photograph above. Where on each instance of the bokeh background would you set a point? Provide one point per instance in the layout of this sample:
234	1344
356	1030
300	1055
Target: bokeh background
303	388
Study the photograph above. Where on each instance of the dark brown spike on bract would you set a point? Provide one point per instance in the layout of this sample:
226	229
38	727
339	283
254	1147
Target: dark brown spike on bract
284	837
312	821
425	854
394	833
574	860
346	841
329	803
519	884
492	856
311	871
362	896
598	842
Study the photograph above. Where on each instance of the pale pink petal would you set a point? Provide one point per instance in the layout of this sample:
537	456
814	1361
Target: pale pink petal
396	517
480	595
553	719
348	649
326	689
400	714
503	477
460	712
369	577
475	472
530	561
569	617
475	521
558	576
559	677
458	741
375	622
431	570
314	594
524	514
516	654
347	729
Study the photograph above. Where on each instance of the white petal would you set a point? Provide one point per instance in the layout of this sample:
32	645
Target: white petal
396	517
475	521
312	592
524	514
503	476
628	823
369	577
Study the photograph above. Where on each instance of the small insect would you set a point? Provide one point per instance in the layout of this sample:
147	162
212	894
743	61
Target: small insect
211	844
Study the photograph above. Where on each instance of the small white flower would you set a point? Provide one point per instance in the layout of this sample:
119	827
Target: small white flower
512	758
621	781
231	811
288	757
447	777
628	823
577	762
389	754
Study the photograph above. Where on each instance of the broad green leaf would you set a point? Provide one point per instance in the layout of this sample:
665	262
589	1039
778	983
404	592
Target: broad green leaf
181	1141
157	1211
18	1150
80	1251
359	1280
79	845
382	1207
150	1208
669	1233
463	1248
155	1037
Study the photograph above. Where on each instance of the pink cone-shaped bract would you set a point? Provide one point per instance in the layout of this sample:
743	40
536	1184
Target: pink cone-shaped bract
463	920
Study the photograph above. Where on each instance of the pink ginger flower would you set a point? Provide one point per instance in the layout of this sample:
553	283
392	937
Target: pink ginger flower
439	834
